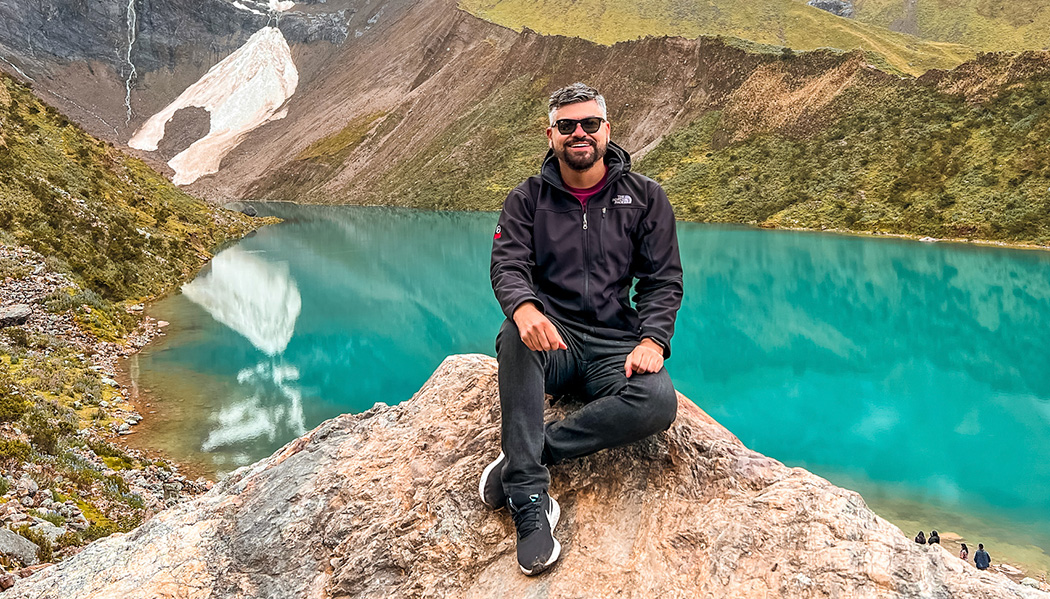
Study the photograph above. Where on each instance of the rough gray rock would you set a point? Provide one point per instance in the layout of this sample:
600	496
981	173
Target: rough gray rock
49	530
79	51
13	316
384	504
842	8
18	547
26	486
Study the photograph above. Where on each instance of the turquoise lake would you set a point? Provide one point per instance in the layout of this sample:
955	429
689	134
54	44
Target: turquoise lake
913	373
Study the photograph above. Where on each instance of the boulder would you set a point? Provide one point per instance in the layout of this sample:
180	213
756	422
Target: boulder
12	316
48	530
1035	584
26	486
18	547
384	504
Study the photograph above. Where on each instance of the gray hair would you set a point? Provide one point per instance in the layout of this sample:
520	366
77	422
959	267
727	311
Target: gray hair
572	94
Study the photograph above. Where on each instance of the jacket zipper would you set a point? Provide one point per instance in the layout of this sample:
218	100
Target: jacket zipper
586	262
601	239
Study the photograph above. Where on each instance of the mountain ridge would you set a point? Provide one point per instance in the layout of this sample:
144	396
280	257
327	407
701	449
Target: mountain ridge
432	107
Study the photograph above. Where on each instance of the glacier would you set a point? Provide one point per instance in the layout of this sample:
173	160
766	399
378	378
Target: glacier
242	92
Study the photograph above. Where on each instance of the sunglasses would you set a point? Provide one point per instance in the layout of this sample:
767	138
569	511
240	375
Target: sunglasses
589	124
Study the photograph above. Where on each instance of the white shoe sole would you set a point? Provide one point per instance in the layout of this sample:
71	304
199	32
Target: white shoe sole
485	476
555	515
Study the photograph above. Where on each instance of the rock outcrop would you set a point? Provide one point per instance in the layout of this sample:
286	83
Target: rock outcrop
12	316
842	8
384	504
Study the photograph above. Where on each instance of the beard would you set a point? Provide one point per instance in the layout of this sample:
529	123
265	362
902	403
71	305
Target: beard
581	162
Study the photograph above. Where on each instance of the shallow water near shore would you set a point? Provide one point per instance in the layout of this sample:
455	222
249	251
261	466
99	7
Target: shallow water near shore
913	373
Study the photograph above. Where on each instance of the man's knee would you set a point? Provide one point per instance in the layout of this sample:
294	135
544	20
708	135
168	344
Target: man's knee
661	402
508	337
511	349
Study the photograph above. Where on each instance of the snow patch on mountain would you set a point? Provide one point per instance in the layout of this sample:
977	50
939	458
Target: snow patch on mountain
242	92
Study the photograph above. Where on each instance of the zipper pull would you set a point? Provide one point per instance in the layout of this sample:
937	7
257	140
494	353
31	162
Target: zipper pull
603	212
584	220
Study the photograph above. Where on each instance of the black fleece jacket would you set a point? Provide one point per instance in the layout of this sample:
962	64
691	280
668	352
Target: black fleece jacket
578	265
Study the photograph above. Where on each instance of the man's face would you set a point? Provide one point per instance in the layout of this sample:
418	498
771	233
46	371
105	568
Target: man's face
579	150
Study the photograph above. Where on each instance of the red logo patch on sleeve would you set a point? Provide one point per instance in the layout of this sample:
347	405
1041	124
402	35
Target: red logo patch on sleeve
499	232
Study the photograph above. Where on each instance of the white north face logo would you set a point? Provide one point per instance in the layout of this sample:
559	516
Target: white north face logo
623	199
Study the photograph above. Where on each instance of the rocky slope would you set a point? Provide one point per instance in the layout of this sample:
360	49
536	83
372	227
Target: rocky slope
384	504
85	234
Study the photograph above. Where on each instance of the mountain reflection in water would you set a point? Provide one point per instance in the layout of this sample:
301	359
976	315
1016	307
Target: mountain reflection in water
260	301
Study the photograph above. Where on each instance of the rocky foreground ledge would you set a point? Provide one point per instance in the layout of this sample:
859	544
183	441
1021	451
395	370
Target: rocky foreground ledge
384	504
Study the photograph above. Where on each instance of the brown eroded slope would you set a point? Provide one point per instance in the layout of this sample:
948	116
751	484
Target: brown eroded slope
454	119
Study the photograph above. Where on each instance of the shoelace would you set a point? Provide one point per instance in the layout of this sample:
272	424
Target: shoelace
527	517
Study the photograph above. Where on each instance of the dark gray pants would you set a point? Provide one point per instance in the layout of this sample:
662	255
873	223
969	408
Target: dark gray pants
618	410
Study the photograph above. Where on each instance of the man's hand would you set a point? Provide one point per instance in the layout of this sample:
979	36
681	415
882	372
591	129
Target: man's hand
647	357
536	330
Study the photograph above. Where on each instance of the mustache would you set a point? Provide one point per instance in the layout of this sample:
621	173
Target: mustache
586	140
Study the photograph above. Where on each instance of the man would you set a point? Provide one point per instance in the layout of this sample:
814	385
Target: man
981	559
569	244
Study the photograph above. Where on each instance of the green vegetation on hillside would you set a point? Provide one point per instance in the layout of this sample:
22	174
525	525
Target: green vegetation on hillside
979	24
336	147
906	160
121	233
780	22
122	229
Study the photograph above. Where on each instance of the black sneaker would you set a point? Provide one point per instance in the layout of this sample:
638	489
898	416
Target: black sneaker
491	485
535	517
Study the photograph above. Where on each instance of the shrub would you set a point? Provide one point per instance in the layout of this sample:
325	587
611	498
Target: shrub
77	470
89	386
116	485
14	269
12	405
63	300
45	550
69	539
98	531
106	450
16	450
47	426
118	463
55	519
18	336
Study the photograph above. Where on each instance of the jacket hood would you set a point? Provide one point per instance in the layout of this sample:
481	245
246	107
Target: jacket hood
617	161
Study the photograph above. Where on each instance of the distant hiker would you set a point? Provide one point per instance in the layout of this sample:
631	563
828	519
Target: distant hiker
981	559
920	538
964	552
934	538
569	245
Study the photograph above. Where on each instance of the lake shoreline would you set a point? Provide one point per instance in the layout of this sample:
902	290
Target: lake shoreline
156	399
1017	245
971	241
